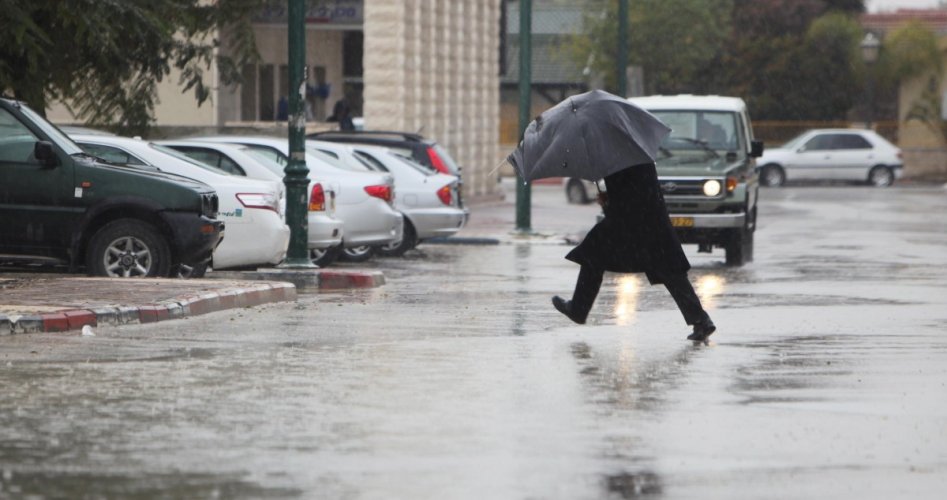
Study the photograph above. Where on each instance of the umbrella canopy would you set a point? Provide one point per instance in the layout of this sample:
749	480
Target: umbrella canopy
589	136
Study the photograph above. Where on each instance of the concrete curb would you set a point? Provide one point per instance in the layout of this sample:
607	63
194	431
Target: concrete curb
309	279
75	319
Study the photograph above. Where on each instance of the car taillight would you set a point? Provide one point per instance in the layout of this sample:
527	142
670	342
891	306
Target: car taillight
317	199
382	191
445	195
265	201
436	161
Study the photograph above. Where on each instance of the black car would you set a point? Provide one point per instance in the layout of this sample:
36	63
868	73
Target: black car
424	151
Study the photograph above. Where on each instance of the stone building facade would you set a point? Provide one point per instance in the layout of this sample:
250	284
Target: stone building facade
433	66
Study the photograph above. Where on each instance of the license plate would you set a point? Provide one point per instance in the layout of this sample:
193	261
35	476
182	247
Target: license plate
682	221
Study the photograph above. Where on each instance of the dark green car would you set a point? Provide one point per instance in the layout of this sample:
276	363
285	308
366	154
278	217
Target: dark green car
59	205
707	171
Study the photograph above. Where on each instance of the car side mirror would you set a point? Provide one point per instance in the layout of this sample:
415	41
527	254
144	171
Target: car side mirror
756	149
44	153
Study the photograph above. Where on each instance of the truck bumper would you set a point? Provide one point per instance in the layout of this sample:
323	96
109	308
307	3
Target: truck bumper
195	237
708	221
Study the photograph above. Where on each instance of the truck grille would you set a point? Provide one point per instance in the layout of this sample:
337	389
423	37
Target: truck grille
682	187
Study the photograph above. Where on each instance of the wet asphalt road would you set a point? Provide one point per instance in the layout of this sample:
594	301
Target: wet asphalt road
827	377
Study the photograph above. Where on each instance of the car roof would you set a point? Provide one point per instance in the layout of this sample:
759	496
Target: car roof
379	135
690	102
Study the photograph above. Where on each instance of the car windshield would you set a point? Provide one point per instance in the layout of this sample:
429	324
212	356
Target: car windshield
62	140
446	158
267	159
424	169
183	157
699	135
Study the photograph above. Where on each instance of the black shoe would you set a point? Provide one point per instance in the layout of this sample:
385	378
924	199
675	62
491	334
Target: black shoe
565	307
702	330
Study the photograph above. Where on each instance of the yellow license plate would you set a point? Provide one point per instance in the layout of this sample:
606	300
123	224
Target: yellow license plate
682	221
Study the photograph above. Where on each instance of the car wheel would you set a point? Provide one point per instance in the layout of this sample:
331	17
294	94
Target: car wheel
881	177
773	175
323	257
398	248
575	192
739	248
128	248
357	254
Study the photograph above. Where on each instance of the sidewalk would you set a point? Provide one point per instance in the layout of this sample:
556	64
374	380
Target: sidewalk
54	303
42	302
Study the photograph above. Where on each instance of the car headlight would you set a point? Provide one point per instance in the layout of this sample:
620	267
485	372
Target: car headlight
712	187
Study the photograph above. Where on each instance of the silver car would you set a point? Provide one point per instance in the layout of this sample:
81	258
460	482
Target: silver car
428	199
364	201
325	229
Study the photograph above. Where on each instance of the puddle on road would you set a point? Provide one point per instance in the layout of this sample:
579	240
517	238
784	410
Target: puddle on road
48	484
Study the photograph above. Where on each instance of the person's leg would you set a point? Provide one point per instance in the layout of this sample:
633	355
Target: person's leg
689	304
586	289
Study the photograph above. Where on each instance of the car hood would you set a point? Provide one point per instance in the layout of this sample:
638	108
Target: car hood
150	172
774	155
675	167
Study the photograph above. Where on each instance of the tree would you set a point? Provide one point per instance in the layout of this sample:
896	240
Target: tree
672	40
104	59
794	59
911	51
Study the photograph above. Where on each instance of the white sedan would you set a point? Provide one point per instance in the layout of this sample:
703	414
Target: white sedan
256	232
325	229
832	155
427	198
364	199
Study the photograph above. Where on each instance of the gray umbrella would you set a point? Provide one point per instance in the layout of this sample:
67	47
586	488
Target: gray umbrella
589	135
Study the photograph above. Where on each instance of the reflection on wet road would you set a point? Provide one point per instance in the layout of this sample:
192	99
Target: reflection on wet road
457	379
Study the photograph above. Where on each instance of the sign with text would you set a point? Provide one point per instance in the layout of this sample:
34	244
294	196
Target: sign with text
330	12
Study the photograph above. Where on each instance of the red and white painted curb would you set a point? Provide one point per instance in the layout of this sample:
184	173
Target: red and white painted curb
75	319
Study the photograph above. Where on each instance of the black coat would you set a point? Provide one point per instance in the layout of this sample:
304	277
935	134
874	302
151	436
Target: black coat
636	234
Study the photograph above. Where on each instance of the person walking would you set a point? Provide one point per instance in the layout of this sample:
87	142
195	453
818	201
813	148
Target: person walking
635	236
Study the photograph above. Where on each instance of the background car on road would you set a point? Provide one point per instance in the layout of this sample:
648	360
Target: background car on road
325	229
833	155
707	171
59	205
428	199
364	199
256	232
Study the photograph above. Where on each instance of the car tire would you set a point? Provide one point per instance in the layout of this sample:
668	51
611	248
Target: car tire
575	192
323	257
397	249
772	175
881	176
128	248
739	248
357	254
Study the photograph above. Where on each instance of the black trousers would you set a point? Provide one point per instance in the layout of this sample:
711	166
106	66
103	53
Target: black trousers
590	280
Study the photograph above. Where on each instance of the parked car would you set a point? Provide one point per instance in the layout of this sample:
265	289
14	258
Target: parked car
707	171
424	151
580	191
833	154
324	228
61	206
256	232
427	199
364	200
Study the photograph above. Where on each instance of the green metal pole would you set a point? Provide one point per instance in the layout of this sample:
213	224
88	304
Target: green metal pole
622	62
297	180
523	189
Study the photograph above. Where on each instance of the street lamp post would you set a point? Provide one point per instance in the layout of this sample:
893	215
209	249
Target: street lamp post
297	180
523	190
870	47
